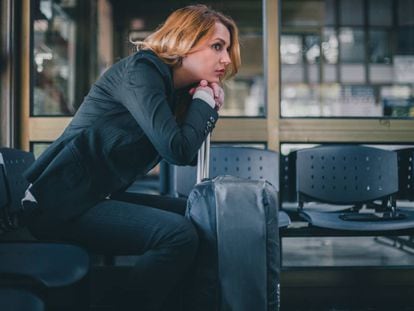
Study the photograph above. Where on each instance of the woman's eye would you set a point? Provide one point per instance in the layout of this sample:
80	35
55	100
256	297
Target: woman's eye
217	46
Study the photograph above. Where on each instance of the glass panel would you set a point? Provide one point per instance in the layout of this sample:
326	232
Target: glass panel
54	57
330	14
312	49
404	69
329	100
405	12
351	12
356	62
245	92
358	100
352	45
291	49
405	40
330	46
301	99
302	13
329	73
379	47
312	53
380	73
398	101
352	73
380	12
38	148
291	56
292	73
4	76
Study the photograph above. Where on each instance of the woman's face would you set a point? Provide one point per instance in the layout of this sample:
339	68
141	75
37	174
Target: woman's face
209	58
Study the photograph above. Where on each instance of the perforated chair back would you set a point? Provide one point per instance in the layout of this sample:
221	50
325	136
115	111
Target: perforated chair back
346	174
244	162
406	174
13	163
288	177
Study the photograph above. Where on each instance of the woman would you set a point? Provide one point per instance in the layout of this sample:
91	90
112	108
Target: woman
161	102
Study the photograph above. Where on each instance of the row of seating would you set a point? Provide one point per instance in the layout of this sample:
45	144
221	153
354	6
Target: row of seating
244	162
358	185
366	180
288	189
34	275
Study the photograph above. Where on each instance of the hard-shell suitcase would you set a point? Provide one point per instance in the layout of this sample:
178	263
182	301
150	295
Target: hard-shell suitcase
238	262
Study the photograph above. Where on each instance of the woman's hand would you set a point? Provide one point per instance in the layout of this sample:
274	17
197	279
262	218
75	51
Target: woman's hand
213	89
218	94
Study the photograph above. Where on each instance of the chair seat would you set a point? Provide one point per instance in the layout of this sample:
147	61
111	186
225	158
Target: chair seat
284	219
333	221
51	264
19	300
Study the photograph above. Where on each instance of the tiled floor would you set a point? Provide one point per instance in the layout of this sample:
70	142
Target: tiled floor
346	251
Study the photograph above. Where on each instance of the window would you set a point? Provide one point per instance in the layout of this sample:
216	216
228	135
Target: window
366	47
54	57
7	62
38	147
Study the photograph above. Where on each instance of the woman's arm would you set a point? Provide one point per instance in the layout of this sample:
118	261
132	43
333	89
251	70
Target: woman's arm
146	99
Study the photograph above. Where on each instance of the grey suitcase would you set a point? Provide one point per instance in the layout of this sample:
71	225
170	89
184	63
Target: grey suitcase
238	263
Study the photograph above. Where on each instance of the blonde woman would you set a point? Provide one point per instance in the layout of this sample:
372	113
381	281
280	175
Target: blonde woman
159	103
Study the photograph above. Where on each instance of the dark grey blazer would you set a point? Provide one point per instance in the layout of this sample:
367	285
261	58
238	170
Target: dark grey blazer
124	126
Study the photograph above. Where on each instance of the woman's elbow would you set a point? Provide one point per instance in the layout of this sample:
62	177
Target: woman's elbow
180	159
181	154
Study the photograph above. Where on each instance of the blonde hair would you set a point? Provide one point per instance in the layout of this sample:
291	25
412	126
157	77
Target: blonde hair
184	29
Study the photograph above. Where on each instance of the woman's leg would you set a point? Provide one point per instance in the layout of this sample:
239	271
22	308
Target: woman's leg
165	242
168	203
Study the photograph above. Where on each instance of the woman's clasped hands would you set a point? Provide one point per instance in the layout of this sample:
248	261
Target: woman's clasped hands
214	89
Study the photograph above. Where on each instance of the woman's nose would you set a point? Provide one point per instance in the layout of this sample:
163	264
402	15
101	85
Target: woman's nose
225	58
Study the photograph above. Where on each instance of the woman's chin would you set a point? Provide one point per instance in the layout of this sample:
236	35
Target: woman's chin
214	80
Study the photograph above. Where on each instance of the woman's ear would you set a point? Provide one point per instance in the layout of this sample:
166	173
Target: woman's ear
180	61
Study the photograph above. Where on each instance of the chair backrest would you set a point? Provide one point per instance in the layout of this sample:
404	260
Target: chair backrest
345	174
244	162
13	163
406	173
288	177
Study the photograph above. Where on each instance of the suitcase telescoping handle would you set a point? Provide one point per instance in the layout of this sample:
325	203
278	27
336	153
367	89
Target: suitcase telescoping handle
203	160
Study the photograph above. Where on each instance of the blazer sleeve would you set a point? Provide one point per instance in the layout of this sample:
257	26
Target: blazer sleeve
145	97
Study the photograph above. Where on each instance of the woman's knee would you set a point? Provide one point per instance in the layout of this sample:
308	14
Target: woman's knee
184	236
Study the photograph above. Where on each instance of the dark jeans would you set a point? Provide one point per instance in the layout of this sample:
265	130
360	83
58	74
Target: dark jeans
152	227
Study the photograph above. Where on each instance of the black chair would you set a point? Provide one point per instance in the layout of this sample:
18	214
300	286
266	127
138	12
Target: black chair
364	179
405	174
244	162
43	268
19	300
288	177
